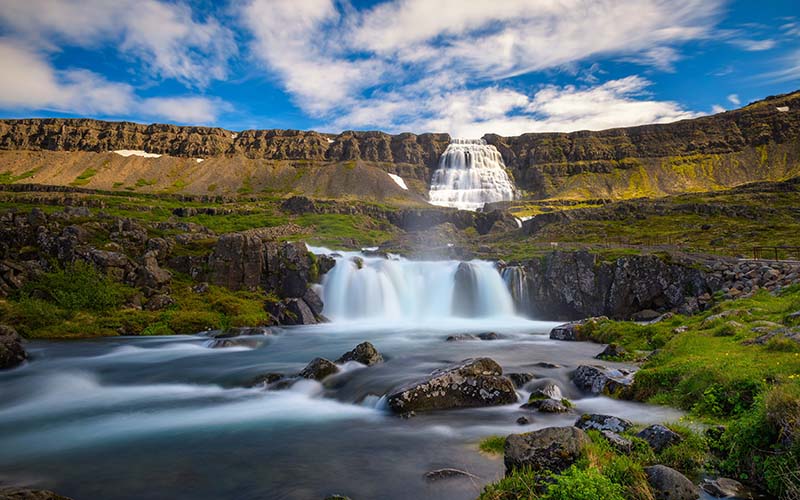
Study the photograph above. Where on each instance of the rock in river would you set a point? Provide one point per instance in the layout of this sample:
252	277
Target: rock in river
551	449
602	423
318	369
471	383
602	380
364	353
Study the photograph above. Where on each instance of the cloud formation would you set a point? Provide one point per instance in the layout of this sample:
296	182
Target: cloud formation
443	65
28	81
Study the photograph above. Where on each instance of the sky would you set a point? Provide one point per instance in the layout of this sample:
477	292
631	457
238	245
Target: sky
465	67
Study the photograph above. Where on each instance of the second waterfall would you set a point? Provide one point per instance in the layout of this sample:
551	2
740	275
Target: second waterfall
471	173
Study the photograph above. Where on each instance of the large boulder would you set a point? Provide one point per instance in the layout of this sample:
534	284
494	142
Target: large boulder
551	449
11	351
150	275
471	383
669	484
659	437
364	353
602	380
598	422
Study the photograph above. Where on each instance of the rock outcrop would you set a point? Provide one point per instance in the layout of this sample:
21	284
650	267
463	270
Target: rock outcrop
364	353
598	422
10	493
12	353
471	383
659	437
602	380
551	449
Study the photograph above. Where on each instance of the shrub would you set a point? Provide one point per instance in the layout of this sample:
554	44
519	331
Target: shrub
521	485
159	328
782	344
689	455
32	313
78	287
588	484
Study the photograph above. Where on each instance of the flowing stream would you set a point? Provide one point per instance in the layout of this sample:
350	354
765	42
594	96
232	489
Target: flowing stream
470	174
169	417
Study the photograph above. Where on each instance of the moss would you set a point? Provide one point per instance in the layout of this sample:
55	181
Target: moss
493	445
84	177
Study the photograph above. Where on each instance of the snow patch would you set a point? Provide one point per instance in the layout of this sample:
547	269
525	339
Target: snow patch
399	180
198	160
136	152
783	109
330	141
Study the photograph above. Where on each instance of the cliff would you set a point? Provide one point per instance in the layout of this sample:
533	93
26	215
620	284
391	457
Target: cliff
758	142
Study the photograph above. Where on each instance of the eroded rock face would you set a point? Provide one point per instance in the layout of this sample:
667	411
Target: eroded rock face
12	353
471	383
364	353
552	449
669	484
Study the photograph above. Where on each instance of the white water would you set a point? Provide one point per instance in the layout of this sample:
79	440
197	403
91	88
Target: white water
471	173
412	292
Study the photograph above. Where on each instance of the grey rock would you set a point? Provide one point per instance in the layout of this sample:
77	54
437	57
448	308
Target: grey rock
448	473
602	380
724	487
669	484
471	383
551	449
10	493
599	422
318	369
520	379
618	442
659	437
159	302
12	353
523	421
612	351
364	353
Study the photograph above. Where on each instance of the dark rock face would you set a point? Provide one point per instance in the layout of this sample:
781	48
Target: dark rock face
318	369
669	484
659	437
552	449
602	380
598	422
465	297
472	383
364	353
520	379
11	351
578	285
612	351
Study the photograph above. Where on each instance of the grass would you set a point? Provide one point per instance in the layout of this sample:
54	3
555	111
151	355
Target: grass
84	177
10	178
493	445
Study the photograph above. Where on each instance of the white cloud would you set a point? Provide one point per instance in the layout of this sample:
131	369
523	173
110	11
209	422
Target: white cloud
716	108
473	113
734	99
787	68
28	81
416	63
754	45
163	36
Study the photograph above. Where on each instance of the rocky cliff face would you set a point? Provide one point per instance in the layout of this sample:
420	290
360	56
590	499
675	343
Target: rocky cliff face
59	134
576	285
544	162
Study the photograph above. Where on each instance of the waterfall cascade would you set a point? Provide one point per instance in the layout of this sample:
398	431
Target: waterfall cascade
516	279
405	291
471	173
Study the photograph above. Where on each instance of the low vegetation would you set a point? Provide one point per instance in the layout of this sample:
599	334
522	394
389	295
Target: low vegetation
745	392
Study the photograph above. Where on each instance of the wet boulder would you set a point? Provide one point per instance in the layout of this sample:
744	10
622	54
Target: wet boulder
471	383
364	353
659	437
318	369
612	351
602	380
11	351
551	449
519	379
599	422
669	484
550	405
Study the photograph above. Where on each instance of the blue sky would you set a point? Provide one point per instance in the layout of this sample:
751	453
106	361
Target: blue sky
466	67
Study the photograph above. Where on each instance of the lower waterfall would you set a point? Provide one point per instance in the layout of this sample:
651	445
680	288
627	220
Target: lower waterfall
407	291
